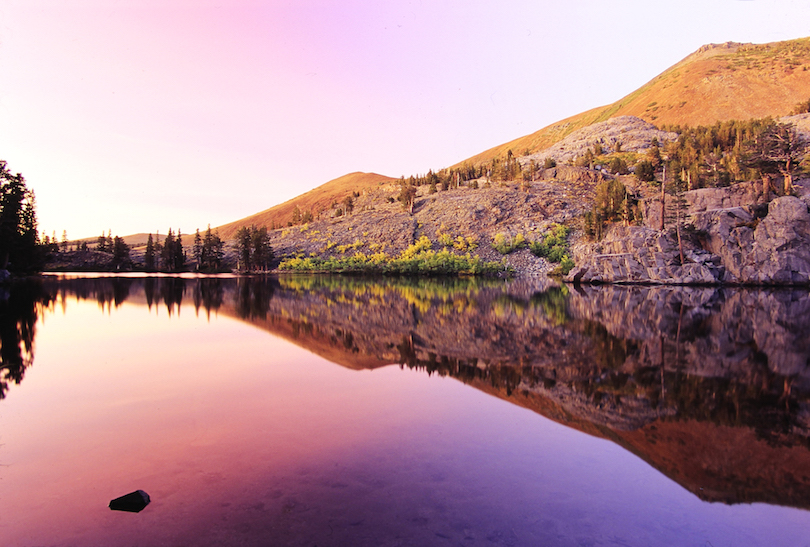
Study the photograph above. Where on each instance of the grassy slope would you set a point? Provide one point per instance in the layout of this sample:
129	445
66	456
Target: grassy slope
317	199
716	83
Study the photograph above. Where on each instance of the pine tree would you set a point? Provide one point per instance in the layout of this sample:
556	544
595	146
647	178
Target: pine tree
253	249
260	244
296	216
212	252
120	251
198	249
216	252
243	249
676	208
19	248
149	255
779	149
348	205
178	256
407	196
167	253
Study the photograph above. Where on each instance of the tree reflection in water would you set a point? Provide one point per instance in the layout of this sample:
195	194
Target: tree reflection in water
19	310
171	290
254	294
208	294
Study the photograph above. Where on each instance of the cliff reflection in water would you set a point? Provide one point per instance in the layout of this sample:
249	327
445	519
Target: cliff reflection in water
710	386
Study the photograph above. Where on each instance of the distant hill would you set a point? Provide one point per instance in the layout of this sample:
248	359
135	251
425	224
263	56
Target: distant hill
316	200
133	240
718	82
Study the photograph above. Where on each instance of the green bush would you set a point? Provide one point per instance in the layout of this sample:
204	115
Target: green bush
802	108
553	245
566	264
418	259
505	245
445	240
617	165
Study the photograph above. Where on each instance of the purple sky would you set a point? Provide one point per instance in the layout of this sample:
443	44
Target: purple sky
142	115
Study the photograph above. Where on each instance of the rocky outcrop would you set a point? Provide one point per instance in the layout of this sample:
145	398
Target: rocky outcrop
569	173
722	241
635	254
748	195
630	132
775	250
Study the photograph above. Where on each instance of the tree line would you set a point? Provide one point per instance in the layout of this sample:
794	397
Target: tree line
253	249
20	247
208	253
704	156
728	152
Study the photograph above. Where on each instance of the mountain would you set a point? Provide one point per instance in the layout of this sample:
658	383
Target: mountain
718	82
317	199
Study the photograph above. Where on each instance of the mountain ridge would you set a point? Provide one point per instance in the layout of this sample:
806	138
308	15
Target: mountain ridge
717	82
656	101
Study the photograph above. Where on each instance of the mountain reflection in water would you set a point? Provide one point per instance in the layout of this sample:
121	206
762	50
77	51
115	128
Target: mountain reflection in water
710	386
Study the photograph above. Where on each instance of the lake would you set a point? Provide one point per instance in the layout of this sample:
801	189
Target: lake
324	410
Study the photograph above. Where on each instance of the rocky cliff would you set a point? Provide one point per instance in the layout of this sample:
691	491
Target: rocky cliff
743	234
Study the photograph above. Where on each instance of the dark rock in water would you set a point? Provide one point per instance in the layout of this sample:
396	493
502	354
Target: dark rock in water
134	502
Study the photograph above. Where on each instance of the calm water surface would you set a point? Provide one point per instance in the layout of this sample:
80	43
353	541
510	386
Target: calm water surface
326	411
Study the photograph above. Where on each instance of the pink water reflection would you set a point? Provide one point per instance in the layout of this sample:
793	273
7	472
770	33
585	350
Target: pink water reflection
241	438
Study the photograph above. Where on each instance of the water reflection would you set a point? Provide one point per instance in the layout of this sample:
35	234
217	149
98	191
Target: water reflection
19	310
710	386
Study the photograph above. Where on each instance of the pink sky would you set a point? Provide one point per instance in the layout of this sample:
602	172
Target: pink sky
139	115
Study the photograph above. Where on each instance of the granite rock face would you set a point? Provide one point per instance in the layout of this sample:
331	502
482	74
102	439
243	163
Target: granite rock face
633	133
775	250
635	254
723	241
